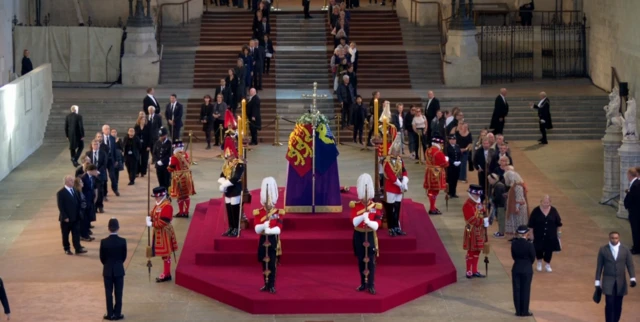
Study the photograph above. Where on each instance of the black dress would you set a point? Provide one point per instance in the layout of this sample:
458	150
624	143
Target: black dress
545	230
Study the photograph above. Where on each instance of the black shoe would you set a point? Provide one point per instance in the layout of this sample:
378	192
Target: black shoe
226	233
543	142
234	233
92	227
87	239
108	317
117	318
392	233
372	290
399	232
164	279
81	251
526	314
130	183
272	290
361	288
68	252
117	193
106	198
264	288
478	275
434	212
208	147
101	210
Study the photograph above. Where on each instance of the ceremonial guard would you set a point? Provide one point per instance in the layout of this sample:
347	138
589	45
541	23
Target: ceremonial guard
395	185
476	223
181	180
453	170
164	238
392	132
161	156
366	218
435	177
268	224
231	185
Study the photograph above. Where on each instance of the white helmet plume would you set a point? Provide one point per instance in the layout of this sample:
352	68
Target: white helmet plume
386	111
396	146
365	186
270	186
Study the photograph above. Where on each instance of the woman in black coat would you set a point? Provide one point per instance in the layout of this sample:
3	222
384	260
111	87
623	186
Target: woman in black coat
206	118
232	81
545	222
131	147
141	130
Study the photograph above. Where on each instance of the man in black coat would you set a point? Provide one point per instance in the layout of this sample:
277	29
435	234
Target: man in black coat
154	122
27	66
453	170
173	115
430	110
227	94
258	58
524	255
544	116
69	216
632	204
500	112
305	5
113	253
161	155
112	163
253	115
481	161
74	130
346	97
150	100
99	158
358	118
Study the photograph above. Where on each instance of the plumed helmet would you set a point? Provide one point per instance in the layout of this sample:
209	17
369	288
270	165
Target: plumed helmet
230	122
269	192
396	146
386	111
365	187
230	147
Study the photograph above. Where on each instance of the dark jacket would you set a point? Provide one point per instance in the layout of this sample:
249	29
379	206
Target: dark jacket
253	111
346	94
154	127
359	114
395	120
523	254
498	195
74	129
479	162
176	116
432	109
89	188
236	181
113	253
227	94
545	229
142	134
150	102
101	164
544	113
131	147
68	205
162	152
206	114
632	200
27	66
610	271
269	47
500	111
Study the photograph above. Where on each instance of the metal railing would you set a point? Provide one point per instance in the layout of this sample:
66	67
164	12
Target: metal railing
483	17
442	29
185	17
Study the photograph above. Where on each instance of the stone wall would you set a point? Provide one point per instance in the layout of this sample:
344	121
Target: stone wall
25	104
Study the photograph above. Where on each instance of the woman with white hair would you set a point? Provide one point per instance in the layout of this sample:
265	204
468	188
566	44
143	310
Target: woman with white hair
269	226
517	205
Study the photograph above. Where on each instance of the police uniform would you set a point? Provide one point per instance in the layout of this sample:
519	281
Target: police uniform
162	152
231	185
268	224
366	219
453	170
524	255
435	177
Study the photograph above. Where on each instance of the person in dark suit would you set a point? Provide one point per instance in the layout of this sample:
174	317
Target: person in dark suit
253	114
430	111
90	192
227	94
544	116
206	118
27	66
353	78
4	300
358	118
131	146
240	71
74	130
69	208
453	170
481	161
173	115
113	253
150	100
218	111
632	204
154	123
99	159
162	152
613	259
500	112
346	97
305	5
258	58
523	254
526	13
268	53
112	162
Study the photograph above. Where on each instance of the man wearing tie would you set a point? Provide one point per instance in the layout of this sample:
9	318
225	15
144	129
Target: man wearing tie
225	90
253	114
113	253
632	204
99	159
613	258
162	152
69	216
112	162
430	111
173	114
258	58
150	100
500	112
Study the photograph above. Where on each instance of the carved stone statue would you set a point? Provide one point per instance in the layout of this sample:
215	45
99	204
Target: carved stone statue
612	110
629	130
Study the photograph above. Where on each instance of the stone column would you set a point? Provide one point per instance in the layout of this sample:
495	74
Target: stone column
611	143
463	67
140	50
629	157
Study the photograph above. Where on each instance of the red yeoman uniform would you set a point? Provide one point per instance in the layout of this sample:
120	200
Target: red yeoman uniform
435	177
181	179
164	238
475	229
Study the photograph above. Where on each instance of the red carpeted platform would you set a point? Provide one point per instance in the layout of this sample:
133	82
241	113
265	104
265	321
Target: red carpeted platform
318	273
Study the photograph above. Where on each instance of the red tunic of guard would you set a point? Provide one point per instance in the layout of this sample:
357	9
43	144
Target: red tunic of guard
435	176
181	181
474	233
358	208
394	170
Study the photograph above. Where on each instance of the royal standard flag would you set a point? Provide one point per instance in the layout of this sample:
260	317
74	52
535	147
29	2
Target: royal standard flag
326	149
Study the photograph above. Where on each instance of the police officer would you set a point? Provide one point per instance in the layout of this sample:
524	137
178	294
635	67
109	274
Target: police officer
162	152
524	255
453	170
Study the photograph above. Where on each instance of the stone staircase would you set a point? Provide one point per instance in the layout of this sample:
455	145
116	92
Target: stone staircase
232	29
179	54
301	52
423	54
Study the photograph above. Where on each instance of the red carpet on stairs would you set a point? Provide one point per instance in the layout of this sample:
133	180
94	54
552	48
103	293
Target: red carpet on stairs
318	271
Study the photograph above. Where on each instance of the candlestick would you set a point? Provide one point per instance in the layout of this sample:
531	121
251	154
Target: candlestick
385	124
240	135
243	112
375	118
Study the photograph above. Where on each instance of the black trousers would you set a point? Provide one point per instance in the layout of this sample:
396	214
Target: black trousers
613	306
268	251
164	177
634	222
114	177
113	285
254	133
216	128
85	222
453	173
77	152
482	182
357	132
499	128
306	8
132	167
370	134
267	65
393	214
360	251
233	215
73	228
544	255
543	131
100	200
346	114
257	77
143	164
521	283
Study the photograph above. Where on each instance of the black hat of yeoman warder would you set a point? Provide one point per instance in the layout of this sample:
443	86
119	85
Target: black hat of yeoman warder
159	192
475	189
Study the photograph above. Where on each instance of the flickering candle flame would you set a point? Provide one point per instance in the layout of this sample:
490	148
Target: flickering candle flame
240	135
375	117
385	124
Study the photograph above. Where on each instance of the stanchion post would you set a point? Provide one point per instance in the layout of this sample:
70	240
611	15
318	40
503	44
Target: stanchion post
221	136
191	148
276	7
366	130
325	7
276	136
338	120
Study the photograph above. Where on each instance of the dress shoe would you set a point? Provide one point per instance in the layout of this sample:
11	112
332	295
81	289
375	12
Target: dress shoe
434	212
68	252
105	198
526	314
392	233
118	317
90	239
264	288
543	143
361	288
81	251
107	317
226	233
130	183
234	233
164	279
372	290
117	193
101	210
399	232
478	275
272	290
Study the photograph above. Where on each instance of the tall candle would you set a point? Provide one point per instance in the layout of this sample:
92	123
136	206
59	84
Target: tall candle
385	124
375	117
243	126
240	135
